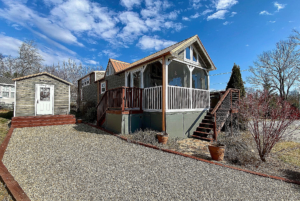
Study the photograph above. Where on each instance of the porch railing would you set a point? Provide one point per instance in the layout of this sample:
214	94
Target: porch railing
153	98
122	98
182	98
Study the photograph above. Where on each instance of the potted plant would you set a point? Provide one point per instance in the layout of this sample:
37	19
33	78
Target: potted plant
217	151
162	137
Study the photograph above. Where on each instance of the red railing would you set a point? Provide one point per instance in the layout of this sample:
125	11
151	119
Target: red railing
122	98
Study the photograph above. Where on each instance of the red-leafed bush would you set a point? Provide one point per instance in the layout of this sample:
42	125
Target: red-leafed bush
268	123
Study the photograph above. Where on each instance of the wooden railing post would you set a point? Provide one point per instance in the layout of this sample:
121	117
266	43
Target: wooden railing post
215	127
141	99
123	99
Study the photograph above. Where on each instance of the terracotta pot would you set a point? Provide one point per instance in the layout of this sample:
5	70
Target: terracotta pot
162	138
79	121
216	152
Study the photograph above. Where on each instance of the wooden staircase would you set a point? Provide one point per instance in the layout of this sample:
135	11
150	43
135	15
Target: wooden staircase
45	120
212	124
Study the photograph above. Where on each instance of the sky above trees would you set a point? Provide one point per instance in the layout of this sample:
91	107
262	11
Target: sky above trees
232	31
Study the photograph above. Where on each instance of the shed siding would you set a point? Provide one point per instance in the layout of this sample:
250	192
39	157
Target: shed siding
115	81
25	95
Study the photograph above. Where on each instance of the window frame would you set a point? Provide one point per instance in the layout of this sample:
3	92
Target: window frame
192	49
86	81
102	87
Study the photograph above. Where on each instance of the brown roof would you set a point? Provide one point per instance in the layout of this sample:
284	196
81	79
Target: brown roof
119	65
38	74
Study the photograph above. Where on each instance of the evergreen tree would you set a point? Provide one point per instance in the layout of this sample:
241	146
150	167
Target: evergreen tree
236	80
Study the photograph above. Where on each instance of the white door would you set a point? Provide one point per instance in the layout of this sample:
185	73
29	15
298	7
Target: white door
44	99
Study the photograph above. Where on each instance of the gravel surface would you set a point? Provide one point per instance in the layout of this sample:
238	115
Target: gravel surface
78	162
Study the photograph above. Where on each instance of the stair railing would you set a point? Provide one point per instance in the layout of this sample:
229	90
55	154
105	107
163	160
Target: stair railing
121	98
223	108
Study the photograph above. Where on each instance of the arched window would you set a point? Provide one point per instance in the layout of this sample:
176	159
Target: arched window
178	74
199	79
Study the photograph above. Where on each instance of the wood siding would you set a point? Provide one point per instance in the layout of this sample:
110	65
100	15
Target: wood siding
25	95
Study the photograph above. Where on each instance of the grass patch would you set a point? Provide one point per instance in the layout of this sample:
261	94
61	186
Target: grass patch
289	152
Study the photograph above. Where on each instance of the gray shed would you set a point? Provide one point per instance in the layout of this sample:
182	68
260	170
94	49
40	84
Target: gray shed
41	94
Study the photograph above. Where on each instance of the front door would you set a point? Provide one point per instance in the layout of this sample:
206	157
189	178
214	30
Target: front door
44	99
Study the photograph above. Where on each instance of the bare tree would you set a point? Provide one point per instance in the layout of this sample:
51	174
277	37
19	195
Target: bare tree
30	60
280	68
269	129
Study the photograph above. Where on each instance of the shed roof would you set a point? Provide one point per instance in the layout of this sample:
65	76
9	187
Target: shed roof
6	80
38	74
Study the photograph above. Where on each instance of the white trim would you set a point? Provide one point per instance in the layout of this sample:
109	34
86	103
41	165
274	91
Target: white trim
7	84
187	110
15	99
190	64
69	99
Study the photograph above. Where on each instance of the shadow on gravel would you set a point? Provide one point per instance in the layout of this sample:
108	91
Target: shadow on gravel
89	129
292	175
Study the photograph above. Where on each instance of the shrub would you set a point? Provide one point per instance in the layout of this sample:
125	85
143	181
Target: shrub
267	130
91	115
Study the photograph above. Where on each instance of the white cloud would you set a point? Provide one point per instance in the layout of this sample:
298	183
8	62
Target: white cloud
227	23
90	61
195	16
206	12
272	22
130	3
24	16
9	45
195	3
233	14
224	4
109	53
150	43
264	12
134	26
279	6
173	15
93	49
185	19
17	27
247	45
217	15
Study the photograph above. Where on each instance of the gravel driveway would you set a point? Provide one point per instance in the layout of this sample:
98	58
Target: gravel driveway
78	162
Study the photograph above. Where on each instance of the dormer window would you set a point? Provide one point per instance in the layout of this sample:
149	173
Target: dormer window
191	54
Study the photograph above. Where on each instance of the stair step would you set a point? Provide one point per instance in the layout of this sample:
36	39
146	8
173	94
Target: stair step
207	128
206	124
202	138
203	133
207	121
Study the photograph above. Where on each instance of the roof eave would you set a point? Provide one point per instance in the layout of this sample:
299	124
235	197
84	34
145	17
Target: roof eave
144	62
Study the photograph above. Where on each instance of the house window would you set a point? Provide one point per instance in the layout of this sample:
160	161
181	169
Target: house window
103	87
12	89
110	70
191	55
85	81
5	94
12	94
199	79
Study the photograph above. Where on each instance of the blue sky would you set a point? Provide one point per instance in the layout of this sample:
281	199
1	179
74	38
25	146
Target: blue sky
232	31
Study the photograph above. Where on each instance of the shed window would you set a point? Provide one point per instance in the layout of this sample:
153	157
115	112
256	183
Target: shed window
103	87
12	94
44	94
85	81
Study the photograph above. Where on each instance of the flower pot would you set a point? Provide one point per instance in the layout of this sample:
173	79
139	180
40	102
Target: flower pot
162	138
216	152
79	121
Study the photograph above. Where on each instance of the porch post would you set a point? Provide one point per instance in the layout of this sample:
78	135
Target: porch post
191	68
164	75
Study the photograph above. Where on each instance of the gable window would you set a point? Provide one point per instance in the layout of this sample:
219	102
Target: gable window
191	55
85	81
103	87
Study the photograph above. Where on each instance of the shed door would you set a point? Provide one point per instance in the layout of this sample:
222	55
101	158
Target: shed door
44	99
